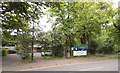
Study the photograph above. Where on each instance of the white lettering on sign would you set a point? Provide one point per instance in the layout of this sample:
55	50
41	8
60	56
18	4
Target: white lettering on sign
79	53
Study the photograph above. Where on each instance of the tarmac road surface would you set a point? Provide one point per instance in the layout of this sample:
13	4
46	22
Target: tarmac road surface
111	65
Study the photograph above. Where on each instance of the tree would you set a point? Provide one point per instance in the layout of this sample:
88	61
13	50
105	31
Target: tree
81	20
18	16
24	46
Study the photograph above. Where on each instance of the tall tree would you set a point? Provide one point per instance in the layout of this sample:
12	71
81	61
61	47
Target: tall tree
81	18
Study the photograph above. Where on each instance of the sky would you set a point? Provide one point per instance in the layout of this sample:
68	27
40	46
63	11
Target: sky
47	26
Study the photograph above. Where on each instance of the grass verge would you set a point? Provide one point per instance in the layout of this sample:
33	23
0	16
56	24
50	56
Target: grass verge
77	57
27	61
52	58
113	58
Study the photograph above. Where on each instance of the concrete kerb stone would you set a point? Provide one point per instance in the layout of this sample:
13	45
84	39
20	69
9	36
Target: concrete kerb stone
69	63
52	63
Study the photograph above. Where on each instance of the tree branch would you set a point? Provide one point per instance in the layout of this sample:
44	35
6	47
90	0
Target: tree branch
115	25
9	9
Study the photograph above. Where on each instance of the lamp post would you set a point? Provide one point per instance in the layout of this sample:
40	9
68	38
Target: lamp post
32	42
32	35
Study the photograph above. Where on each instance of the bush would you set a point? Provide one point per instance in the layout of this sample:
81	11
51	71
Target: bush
24	53
92	47
34	51
25	56
4	52
12	51
57	51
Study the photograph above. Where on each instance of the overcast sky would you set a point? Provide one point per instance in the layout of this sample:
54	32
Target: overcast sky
47	26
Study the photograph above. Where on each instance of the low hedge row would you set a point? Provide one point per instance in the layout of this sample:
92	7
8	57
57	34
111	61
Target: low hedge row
4	52
12	51
8	51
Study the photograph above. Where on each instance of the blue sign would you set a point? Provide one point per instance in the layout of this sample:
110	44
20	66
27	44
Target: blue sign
83	47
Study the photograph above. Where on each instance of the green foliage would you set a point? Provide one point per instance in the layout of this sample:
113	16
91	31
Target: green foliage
8	40
8	51
116	48
92	47
57	51
101	43
12	51
24	55
79	23
103	46
34	51
4	52
76	23
18	16
24	49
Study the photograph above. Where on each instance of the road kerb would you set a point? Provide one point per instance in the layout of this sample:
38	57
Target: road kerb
39	67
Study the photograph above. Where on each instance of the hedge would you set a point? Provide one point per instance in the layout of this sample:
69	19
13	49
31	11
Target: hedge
4	52
8	51
12	51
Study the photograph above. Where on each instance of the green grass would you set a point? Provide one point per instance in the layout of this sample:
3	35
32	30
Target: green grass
72	57
113	57
52	58
59	58
27	61
91	56
77	57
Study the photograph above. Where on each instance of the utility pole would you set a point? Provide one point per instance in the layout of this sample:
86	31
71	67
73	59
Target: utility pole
64	51
32	41
32	36
68	52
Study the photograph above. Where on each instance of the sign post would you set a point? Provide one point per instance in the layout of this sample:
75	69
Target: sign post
72	50
81	50
79	53
83	47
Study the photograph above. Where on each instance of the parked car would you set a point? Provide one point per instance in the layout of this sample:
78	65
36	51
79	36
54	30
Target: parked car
9	47
46	53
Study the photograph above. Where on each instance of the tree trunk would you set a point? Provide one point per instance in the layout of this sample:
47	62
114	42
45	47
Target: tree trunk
83	39
17	39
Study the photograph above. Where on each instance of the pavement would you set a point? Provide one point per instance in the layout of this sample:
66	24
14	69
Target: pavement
14	61
111	65
10	62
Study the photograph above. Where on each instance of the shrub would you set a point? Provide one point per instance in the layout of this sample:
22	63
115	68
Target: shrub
12	51
4	52
92	47
57	51
34	51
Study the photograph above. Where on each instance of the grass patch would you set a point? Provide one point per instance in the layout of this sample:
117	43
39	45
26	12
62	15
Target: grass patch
52	58
89	56
72	57
77	57
113	57
27	61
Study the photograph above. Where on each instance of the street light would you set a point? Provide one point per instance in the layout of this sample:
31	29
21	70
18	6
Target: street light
32	41
33	36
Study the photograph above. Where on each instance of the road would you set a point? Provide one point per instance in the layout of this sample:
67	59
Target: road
14	58
110	65
83	64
